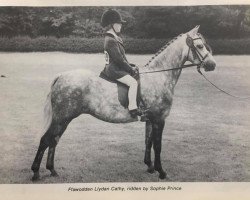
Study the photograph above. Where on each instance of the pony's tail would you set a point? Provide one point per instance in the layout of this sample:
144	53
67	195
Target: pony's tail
47	117
48	113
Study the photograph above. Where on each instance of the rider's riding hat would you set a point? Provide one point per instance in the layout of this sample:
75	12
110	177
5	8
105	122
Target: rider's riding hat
110	17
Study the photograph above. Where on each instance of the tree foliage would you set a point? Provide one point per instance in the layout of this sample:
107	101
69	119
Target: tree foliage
142	22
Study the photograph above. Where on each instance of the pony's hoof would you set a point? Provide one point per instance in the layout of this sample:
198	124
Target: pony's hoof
36	177
162	175
54	173
151	169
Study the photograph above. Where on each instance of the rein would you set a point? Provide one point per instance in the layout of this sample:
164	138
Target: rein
190	43
165	70
238	97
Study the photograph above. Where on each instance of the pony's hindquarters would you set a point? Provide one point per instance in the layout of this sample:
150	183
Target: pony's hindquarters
81	91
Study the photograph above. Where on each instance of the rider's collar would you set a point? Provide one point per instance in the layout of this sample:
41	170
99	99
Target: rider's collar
117	38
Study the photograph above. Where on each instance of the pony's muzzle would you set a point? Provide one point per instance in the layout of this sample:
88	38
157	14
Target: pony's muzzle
209	64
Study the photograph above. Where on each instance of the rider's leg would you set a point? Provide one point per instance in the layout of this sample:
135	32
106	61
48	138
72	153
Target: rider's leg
132	93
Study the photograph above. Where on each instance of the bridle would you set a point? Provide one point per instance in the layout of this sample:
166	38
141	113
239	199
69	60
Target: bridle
196	54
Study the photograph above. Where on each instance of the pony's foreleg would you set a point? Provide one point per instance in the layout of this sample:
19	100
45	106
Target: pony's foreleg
148	143
157	138
57	133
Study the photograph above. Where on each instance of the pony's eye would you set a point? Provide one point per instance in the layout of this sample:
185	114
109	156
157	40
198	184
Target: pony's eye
200	46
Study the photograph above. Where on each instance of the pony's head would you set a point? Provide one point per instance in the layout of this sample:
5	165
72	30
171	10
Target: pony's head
199	52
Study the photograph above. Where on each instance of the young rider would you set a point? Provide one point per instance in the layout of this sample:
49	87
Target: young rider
117	66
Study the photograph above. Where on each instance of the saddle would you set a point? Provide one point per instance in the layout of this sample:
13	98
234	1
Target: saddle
123	91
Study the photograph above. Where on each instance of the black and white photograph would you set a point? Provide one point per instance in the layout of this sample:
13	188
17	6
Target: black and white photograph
153	94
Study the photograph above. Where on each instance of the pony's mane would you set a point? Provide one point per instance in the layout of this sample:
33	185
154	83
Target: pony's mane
162	49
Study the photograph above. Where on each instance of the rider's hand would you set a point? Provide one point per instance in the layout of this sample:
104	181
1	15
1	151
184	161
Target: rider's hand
135	72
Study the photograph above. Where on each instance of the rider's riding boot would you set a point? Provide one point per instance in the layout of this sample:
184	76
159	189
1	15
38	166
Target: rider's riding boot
139	112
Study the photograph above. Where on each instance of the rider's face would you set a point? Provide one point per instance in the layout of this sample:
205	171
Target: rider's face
117	27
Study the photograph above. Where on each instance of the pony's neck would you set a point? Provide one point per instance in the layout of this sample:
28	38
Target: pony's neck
172	56
157	88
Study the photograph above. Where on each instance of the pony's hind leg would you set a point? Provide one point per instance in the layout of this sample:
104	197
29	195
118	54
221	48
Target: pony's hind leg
148	143
44	143
58	131
49	139
50	160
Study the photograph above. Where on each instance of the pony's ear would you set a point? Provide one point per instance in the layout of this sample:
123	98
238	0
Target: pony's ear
194	31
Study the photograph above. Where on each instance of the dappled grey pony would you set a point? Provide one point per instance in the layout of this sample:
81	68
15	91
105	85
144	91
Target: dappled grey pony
76	92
